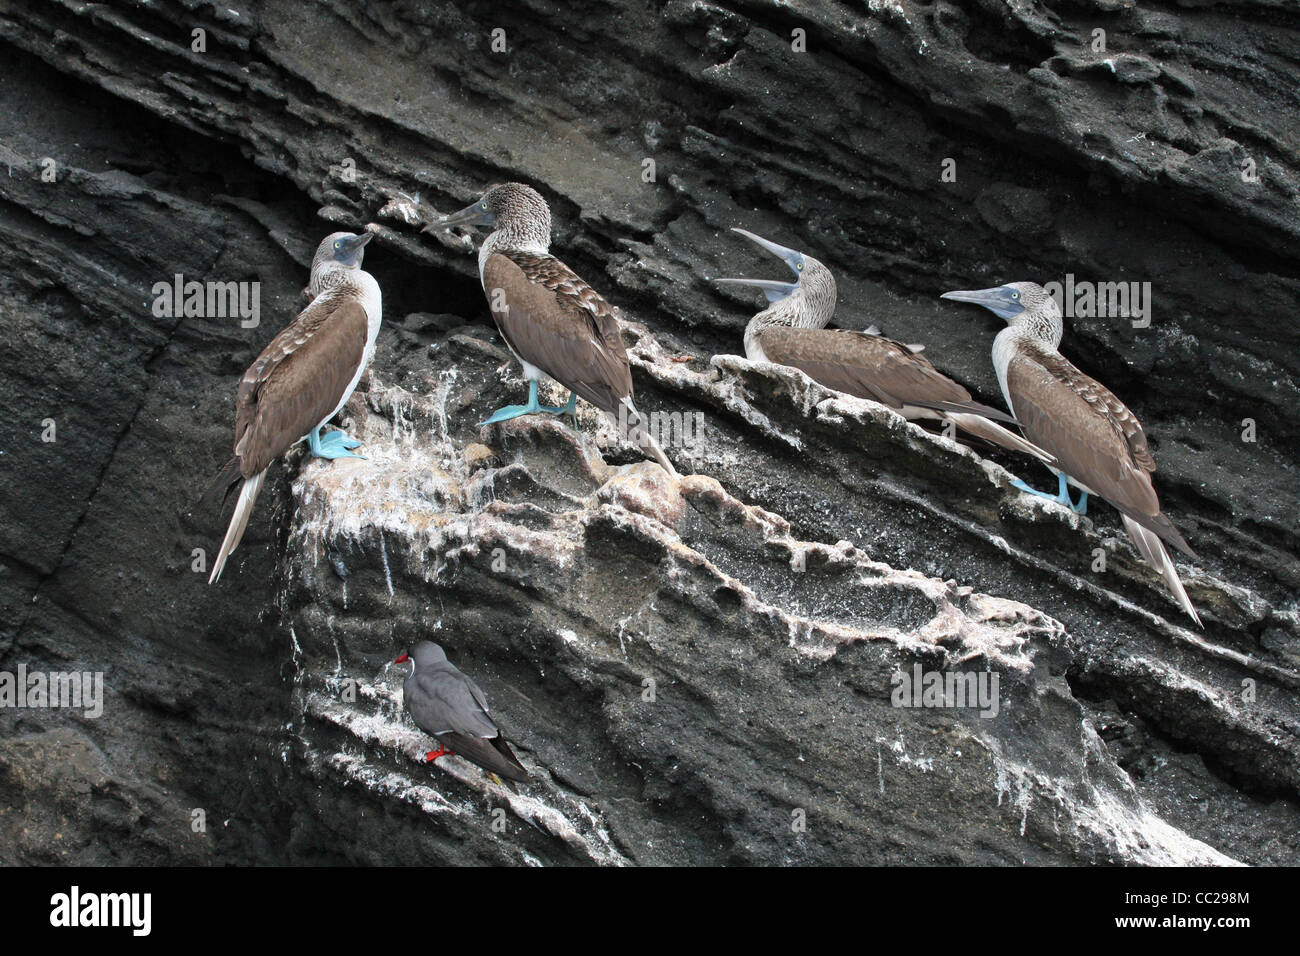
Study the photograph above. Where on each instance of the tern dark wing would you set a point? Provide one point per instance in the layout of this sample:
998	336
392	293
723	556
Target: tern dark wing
554	320
870	366
492	754
1096	440
447	704
298	379
442	700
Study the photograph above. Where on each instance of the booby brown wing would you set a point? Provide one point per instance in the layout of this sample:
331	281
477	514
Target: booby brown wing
870	366
554	320
1096	440
450	706
298	379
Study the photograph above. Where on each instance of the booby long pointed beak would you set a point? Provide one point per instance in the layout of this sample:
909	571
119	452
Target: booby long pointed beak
998	300
475	214
791	257
348	251
773	289
356	243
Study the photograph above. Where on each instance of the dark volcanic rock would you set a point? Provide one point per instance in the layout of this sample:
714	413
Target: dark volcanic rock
560	572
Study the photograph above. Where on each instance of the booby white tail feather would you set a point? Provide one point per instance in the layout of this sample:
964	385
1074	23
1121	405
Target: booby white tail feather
1153	549
991	431
238	522
641	438
646	442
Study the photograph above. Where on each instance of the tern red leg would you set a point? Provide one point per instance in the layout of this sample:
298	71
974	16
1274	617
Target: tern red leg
433	755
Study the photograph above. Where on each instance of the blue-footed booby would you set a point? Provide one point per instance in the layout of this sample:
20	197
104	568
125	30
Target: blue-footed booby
792	331
303	377
553	322
1098	444
446	704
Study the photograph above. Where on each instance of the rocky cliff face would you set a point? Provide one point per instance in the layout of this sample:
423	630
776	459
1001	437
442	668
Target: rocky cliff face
695	671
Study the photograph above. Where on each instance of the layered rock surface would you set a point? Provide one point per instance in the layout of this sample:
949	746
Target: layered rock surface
1122	735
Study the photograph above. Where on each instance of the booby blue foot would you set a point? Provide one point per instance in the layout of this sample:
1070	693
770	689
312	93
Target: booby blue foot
508	412
570	408
1082	507
515	411
331	445
1062	496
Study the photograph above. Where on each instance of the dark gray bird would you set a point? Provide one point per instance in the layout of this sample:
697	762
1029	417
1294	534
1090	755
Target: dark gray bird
554	323
448	705
792	331
302	378
1098	444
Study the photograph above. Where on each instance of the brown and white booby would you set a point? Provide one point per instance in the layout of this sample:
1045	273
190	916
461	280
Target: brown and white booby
446	704
303	377
554	323
792	331
1098	444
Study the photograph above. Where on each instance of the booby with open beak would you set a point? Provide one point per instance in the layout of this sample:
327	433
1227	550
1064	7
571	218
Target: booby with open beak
554	323
792	331
1098	444
303	378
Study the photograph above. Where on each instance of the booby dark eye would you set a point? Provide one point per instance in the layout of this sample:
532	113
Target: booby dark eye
338	243
800	267
1015	295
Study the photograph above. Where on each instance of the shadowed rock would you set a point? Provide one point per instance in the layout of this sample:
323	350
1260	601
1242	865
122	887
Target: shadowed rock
1121	735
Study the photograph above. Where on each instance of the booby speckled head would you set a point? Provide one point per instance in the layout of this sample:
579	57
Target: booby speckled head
517	212
809	301
341	249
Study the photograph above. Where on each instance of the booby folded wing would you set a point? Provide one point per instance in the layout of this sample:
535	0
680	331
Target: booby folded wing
299	379
870	366
1096	440
555	321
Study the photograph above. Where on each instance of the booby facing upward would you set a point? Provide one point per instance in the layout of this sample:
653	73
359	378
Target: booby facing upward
792	331
446	704
302	379
554	323
1098	443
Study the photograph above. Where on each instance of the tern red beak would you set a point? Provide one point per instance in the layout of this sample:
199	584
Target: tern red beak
403	659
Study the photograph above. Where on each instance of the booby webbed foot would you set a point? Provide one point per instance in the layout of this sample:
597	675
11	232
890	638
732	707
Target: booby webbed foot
508	412
1016	482
331	445
433	755
1062	496
516	411
570	408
